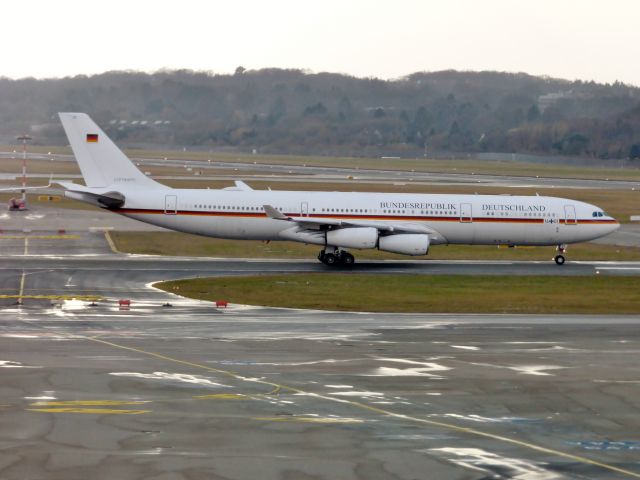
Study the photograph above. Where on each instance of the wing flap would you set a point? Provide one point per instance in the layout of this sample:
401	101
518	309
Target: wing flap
382	226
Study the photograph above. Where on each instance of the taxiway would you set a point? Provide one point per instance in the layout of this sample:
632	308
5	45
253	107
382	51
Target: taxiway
192	391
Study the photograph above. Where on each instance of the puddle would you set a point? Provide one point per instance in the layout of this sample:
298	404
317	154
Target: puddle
171	377
10	364
424	369
493	464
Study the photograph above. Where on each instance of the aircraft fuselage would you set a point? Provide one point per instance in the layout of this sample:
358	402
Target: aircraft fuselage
454	219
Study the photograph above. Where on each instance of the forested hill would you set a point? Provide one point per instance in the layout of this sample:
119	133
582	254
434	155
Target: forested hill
291	111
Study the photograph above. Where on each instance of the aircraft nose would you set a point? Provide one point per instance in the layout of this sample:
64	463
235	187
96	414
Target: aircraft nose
614	226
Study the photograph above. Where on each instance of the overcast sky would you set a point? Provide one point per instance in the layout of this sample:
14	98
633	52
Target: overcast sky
571	39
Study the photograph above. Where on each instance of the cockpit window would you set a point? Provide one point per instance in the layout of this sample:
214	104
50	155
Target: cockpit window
598	214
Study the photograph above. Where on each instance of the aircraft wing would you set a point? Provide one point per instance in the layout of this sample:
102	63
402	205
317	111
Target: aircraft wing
310	223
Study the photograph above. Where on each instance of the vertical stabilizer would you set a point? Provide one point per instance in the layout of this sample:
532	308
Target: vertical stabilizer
101	162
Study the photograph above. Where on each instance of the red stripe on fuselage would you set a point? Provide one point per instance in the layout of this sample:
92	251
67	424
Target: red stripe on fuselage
368	217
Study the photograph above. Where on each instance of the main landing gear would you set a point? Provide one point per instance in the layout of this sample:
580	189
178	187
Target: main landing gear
559	258
336	257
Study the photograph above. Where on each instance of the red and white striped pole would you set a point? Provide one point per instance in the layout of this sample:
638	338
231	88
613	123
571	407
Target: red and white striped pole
24	138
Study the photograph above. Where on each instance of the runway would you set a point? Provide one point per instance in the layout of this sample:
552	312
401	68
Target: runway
192	391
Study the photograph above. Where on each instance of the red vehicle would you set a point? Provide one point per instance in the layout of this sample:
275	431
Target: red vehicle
17	204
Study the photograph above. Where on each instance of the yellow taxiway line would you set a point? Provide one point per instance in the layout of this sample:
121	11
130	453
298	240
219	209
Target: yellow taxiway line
21	295
222	396
24	274
92	411
110	241
387	413
21	291
87	406
88	403
39	237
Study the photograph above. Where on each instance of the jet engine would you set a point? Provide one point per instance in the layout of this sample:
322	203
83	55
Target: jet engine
365	237
406	244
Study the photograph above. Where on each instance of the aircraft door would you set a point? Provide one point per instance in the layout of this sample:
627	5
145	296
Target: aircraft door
466	213
170	204
304	209
570	217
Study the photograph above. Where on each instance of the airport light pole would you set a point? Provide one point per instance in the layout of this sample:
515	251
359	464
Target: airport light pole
24	139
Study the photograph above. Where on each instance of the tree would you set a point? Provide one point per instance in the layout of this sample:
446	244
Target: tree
345	105
379	113
240	70
277	111
573	144
422	119
533	114
317	109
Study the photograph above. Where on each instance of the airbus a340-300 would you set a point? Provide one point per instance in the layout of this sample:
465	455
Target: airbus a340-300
336	221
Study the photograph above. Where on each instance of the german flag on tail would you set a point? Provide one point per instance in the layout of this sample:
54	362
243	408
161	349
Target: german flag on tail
92	138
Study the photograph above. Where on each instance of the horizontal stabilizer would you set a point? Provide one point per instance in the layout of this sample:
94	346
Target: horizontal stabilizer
240	186
23	189
111	200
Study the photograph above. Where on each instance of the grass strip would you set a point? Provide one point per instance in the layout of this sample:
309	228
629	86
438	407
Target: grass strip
621	170
422	293
183	244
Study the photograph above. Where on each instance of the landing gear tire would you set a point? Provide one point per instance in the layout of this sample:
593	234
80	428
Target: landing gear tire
329	259
347	259
559	259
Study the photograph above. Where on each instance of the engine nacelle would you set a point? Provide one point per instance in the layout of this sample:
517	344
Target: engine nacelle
365	237
406	244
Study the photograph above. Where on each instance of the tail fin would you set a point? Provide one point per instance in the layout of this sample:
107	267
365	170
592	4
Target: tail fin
101	162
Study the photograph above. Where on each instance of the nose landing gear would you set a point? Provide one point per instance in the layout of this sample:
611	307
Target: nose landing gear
559	258
336	257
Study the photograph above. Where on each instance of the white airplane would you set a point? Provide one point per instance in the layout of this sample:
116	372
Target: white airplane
404	223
